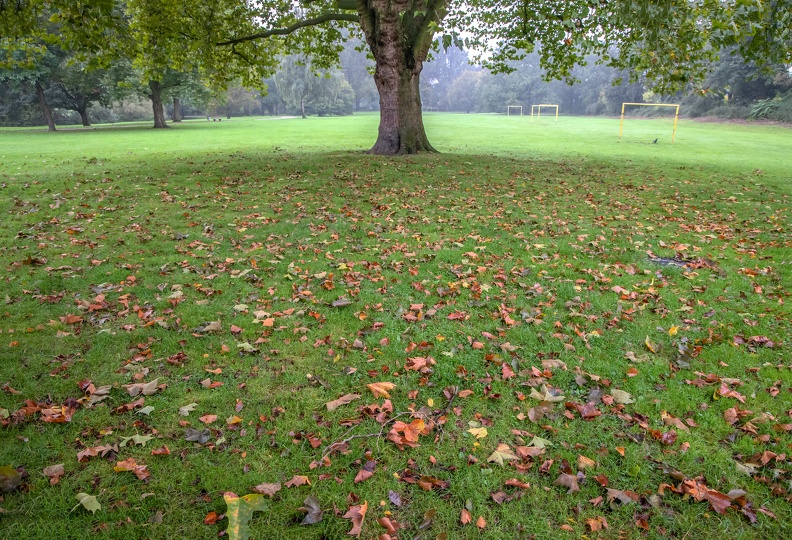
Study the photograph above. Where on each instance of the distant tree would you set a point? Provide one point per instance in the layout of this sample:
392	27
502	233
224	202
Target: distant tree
358	69
462	94
440	72
305	92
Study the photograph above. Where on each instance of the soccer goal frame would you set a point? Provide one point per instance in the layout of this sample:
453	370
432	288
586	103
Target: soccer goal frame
676	115
538	109
430	109
516	107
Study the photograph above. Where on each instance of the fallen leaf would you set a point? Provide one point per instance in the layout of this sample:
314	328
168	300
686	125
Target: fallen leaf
240	510
502	453
357	514
478	432
88	502
187	409
297	481
568	481
267	489
9	478
54	473
381	389
343	400
481	523
621	397
312	509
194	435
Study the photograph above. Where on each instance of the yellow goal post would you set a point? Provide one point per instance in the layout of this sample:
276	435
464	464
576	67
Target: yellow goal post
538	109
676	115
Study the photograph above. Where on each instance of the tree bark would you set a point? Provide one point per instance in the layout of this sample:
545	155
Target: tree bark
156	104
399	56
177	115
45	108
83	110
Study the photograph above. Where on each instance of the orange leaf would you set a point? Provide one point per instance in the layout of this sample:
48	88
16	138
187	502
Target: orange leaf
298	480
380	389
357	514
481	522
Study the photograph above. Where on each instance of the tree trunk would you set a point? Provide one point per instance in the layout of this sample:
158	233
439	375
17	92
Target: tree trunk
228	112
302	106
83	110
399	61
45	108
156	104
177	115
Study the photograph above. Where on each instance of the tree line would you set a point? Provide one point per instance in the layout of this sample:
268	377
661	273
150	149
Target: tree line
664	46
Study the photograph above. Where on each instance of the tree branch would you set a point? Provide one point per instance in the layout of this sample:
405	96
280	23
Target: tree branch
326	17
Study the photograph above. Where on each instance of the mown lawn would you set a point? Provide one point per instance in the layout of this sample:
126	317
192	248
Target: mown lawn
566	335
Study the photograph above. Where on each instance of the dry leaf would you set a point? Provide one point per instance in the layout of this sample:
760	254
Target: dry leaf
357	514
501	454
267	489
380	389
54	473
343	400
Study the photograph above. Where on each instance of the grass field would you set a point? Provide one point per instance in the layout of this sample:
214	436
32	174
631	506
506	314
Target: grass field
541	332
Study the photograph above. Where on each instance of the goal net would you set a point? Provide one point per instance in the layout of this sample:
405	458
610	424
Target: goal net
654	126
430	109
514	110
538	110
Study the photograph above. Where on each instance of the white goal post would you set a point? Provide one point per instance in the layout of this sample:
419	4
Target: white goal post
516	108
538	109
676	115
430	109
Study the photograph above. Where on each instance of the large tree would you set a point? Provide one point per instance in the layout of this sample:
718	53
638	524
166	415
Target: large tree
668	43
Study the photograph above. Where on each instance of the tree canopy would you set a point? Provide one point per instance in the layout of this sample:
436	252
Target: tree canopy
666	43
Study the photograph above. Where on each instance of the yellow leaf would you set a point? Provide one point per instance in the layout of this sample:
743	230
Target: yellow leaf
673	330
649	345
501	454
478	432
240	510
381	388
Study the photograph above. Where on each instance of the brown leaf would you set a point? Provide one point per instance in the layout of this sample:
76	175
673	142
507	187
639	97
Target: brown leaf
267	489
357	514
297	481
343	400
208	418
481	523
567	481
211	518
54	473
465	517
719	502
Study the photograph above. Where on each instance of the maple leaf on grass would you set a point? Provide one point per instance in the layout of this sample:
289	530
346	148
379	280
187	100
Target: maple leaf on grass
141	471
502	453
88	502
569	481
381	389
54	473
297	481
343	400
10	479
240	510
402	434
357	514
313	513
267	489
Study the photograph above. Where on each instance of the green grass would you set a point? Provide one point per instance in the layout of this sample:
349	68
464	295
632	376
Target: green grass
521	232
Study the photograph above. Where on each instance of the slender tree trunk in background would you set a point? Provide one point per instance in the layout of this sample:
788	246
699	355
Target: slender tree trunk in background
228	112
302	106
177	115
45	108
399	57
156	104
